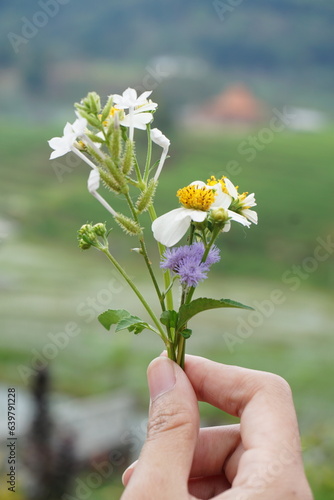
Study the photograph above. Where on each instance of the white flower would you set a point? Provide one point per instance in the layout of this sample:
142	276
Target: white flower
197	199
137	119
129	99
242	202
161	140
138	116
64	144
93	185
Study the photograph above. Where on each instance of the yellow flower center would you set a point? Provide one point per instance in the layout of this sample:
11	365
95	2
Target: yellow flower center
212	181
197	198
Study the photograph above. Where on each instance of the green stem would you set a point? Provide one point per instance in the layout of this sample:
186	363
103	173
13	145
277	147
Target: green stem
181	351
137	169
208	246
166	274
137	292
145	254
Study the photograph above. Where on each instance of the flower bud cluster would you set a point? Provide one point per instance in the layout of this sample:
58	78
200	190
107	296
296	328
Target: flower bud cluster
88	235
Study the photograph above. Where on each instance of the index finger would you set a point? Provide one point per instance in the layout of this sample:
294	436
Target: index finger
262	400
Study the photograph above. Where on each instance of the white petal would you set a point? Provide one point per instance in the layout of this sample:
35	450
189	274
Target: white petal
117	100
251	215
238	218
143	97
199	184
68	130
137	121
231	188
227	227
249	201
146	107
198	215
80	125
57	154
130	95
159	138
222	199
60	145
172	226
93	181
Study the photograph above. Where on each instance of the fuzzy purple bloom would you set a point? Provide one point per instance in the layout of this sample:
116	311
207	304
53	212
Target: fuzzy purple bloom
185	261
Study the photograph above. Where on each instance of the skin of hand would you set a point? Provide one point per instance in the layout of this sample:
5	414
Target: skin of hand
258	459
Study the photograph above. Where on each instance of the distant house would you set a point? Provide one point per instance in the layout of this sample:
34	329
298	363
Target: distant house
236	106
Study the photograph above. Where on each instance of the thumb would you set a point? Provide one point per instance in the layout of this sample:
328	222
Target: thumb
165	461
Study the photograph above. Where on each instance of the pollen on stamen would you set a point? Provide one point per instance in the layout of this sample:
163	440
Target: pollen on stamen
197	198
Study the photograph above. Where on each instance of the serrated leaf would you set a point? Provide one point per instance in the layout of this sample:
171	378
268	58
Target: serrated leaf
187	311
112	317
128	323
123	321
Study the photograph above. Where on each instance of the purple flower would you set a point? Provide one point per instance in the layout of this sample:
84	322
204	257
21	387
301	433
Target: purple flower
185	261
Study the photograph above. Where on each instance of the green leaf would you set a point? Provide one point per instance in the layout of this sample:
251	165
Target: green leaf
186	333
112	317
131	323
187	311
123	321
169	319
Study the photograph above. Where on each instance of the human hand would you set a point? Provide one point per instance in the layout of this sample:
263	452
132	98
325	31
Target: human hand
258	459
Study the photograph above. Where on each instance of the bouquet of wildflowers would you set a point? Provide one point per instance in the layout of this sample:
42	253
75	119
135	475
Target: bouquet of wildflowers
103	137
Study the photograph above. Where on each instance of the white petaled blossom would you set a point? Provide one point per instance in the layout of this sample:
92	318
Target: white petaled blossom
161	140
93	185
197	200
65	144
242	203
139	109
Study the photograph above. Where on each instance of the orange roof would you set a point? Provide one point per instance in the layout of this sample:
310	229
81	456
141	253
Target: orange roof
236	103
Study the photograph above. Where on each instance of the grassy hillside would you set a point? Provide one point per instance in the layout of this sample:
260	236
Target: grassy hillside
46	282
292	177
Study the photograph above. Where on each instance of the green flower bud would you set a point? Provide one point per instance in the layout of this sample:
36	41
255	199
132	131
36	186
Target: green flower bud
83	245
87	235
106	109
94	102
100	229
109	181
115	144
127	160
115	172
91	119
219	215
128	225
146	197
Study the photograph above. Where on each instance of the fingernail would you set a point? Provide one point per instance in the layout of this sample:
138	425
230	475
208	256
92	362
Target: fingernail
161	377
128	472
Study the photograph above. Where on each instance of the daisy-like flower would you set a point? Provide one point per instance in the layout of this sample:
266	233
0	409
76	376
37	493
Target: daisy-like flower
139	107
197	200
65	144
242	203
161	140
186	262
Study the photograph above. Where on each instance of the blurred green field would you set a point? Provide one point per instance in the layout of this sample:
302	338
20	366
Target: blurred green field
47	282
